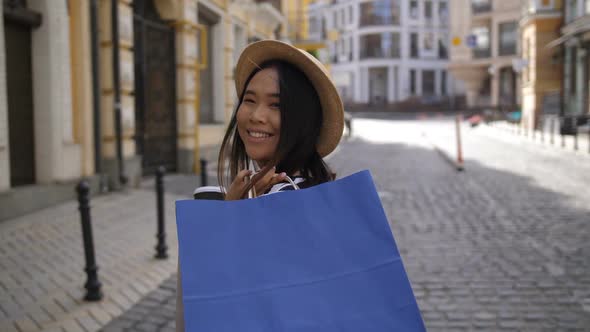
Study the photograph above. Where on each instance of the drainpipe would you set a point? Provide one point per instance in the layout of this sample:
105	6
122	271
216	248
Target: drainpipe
117	90
94	46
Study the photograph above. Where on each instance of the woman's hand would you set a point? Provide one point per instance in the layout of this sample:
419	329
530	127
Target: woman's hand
238	185
241	181
268	180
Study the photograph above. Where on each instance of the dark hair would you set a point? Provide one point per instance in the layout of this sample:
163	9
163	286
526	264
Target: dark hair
301	121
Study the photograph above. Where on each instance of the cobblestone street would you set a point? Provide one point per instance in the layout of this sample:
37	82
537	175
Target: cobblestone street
502	246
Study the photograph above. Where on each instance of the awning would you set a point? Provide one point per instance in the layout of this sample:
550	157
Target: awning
558	41
572	30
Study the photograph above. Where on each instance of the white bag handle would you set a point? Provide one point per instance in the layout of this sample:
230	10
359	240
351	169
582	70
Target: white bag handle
254	167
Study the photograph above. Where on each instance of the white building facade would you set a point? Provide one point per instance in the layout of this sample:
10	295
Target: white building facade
386	51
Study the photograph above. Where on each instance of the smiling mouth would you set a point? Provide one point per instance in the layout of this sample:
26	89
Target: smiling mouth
258	134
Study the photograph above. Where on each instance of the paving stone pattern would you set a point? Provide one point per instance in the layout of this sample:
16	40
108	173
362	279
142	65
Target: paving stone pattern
42	262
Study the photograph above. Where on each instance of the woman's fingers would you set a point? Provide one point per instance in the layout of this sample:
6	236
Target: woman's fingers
277	178
269	180
262	185
238	185
242	175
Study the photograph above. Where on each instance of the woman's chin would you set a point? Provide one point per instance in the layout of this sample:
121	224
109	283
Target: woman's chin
260	158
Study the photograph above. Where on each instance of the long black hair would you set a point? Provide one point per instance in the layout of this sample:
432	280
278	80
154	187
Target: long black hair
301	122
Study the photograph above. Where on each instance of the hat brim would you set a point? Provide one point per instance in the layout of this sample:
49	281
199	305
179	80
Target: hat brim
259	52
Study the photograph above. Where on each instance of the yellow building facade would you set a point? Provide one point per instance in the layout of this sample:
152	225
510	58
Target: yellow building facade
298	17
541	69
121	87
206	38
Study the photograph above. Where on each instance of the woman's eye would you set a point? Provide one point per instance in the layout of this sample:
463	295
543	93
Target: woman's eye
248	100
275	105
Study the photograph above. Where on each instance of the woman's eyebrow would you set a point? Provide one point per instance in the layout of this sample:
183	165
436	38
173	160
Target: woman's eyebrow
251	92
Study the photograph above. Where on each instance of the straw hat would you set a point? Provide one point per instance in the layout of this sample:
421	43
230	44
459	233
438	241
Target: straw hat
333	112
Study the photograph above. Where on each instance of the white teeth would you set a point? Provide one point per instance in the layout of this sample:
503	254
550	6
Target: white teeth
258	135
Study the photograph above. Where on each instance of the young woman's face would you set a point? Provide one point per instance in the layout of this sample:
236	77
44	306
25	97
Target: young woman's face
259	117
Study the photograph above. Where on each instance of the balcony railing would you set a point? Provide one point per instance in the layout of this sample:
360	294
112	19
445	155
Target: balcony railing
480	7
534	7
481	53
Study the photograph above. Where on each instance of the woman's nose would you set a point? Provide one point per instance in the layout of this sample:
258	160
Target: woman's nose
258	114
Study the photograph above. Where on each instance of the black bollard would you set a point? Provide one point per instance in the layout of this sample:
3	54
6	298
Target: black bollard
561	133
542	130
203	172
161	247
552	130
92	285
575	126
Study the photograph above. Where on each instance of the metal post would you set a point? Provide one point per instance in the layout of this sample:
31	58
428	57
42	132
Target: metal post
575	126
542	120
92	285
161	247
552	129
458	121
203	172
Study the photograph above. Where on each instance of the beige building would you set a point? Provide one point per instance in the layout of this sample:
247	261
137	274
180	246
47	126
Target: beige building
111	93
484	46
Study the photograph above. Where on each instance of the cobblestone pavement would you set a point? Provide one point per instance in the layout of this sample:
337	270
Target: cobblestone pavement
42	259
502	246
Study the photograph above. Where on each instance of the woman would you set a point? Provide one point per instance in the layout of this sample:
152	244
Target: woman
288	118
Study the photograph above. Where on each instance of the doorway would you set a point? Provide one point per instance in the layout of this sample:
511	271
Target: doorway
155	88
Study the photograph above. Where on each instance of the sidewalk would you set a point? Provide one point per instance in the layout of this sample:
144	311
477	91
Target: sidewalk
42	260
564	145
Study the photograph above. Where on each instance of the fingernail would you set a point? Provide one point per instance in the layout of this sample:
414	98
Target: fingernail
283	174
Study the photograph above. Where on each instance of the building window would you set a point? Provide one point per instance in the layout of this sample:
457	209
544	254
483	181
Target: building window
380	12
587	9
380	45
443	13
508	36
414	49
412	81
428	82
313	25
443	82
428	46
571	10
507	87
443	44
414	10
428	9
482	42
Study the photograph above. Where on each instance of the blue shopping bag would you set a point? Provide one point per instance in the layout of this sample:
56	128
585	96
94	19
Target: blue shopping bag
310	260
